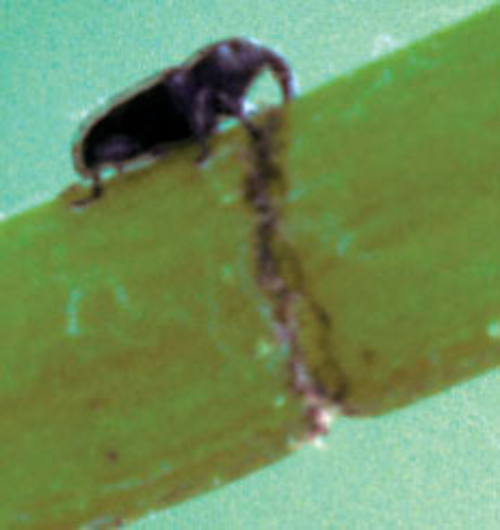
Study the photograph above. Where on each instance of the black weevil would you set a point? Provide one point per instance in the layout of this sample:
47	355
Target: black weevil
178	104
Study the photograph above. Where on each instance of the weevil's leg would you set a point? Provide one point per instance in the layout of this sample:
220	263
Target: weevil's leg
203	121
205	149
281	71
251	128
235	107
96	191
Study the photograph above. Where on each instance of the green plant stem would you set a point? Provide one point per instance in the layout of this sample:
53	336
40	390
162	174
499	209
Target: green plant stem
147	341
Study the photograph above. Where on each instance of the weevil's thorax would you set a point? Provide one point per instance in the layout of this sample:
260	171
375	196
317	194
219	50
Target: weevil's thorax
228	67
181	88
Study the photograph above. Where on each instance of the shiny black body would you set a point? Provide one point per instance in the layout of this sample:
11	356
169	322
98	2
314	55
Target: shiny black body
146	123
179	104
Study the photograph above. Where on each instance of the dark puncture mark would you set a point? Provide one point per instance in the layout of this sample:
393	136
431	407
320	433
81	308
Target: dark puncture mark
96	403
112	456
302	325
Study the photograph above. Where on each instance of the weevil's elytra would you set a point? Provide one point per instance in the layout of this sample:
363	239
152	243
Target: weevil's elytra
178	104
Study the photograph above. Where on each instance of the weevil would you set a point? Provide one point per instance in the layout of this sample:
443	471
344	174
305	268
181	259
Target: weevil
183	103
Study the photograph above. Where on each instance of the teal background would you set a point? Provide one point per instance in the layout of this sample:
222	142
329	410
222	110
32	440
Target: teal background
435	465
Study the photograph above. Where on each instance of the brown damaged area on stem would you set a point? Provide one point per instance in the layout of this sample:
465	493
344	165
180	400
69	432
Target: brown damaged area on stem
302	326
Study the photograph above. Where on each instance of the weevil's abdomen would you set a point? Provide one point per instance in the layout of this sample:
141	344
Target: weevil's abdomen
143	124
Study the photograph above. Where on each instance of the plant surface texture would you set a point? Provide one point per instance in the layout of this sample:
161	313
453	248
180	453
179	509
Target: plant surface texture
196	324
